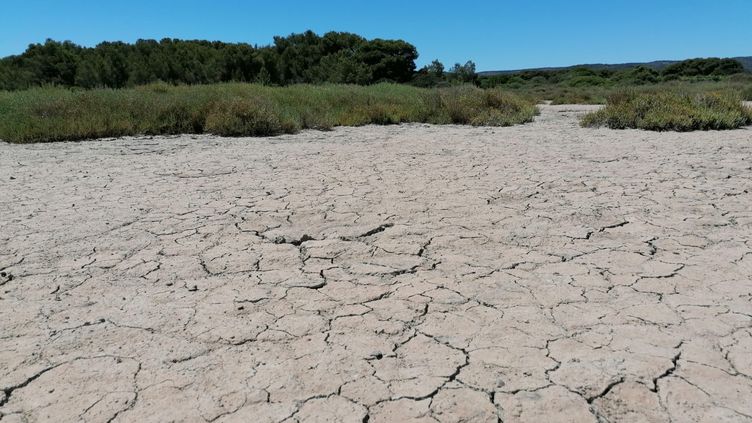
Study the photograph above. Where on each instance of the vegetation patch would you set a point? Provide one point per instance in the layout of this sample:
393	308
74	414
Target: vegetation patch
237	109
591	85
467	105
671	111
335	57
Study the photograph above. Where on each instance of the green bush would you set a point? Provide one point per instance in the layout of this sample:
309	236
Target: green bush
702	67
475	106
502	109
236	109
462	103
242	116
670	111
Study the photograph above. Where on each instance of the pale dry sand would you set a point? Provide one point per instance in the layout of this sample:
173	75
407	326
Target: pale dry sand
539	273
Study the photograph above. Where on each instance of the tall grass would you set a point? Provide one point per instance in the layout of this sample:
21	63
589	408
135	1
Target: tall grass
671	111
58	114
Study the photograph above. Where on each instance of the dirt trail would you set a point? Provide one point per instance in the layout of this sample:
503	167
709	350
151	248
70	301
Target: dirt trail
539	273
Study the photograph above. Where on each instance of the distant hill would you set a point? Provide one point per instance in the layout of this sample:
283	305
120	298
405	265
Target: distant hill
746	61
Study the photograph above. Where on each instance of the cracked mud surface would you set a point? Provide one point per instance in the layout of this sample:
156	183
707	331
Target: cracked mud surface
409	273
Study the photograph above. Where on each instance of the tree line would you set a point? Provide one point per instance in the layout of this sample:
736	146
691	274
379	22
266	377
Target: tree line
335	57
711	68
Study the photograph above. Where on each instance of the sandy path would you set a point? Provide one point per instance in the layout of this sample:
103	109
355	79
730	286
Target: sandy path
540	273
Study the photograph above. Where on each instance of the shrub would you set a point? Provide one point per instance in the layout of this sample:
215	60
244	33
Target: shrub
242	116
56	114
669	111
702	67
502	109
462	103
492	107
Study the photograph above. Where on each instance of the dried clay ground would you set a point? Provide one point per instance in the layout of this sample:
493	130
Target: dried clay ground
538	273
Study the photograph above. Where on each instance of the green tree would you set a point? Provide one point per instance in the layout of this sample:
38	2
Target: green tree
296	58
435	69
431	75
464	73
389	60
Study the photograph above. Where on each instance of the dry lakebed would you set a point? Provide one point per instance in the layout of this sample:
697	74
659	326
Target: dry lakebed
535	273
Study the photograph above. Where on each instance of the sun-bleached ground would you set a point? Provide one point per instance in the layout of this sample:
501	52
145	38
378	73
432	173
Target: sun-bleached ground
538	273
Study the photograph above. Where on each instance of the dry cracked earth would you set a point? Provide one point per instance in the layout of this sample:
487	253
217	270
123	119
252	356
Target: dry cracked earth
538	273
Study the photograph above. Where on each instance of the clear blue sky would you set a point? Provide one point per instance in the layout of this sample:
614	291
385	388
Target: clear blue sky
501	34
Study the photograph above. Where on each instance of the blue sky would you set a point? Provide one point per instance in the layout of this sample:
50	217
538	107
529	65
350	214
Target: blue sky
495	34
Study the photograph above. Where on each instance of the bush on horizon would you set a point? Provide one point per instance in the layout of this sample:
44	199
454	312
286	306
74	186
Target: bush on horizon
670	111
238	109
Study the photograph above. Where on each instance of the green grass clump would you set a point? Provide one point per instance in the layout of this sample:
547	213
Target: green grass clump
469	105
238	109
670	111
242	116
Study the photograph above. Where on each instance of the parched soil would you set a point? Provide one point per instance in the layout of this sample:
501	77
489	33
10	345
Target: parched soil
538	273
